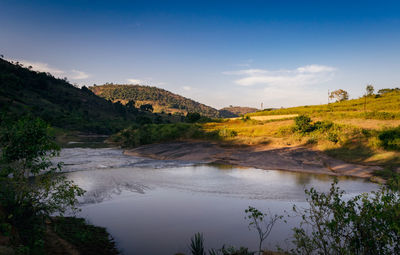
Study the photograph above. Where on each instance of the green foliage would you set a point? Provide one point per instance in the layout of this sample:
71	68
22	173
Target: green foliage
90	240
303	123
197	244
369	90
390	138
387	90
152	133
365	224
146	107
60	103
227	133
30	187
153	95
193	117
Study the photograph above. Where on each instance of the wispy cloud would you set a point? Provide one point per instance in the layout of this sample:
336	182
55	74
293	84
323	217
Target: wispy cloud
304	75
135	81
56	72
287	87
41	67
79	75
187	88
145	81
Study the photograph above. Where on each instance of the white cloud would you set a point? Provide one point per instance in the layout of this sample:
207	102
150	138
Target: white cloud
135	81
78	75
42	67
58	73
187	88
145	81
285	87
304	75
315	69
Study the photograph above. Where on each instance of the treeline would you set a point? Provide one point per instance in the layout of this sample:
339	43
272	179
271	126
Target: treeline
64	105
153	95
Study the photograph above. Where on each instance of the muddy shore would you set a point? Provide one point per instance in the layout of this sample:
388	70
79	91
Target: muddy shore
297	159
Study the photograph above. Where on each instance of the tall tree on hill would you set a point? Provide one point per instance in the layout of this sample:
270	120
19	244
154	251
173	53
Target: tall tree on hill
369	91
340	95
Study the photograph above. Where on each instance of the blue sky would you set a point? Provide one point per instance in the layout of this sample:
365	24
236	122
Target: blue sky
280	53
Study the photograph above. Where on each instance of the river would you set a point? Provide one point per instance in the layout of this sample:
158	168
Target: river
154	207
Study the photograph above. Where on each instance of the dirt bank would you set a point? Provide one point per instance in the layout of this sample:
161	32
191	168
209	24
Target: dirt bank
298	159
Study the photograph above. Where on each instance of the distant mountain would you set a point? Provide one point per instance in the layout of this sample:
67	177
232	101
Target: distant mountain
61	104
234	111
161	99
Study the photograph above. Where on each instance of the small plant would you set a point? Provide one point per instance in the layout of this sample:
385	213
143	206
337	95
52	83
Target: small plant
261	223
245	118
197	244
333	137
303	123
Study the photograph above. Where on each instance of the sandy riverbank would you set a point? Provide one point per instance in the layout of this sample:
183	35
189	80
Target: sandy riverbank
298	159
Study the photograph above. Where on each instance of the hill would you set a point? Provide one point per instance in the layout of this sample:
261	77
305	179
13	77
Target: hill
161	99
61	104
384	106
237	110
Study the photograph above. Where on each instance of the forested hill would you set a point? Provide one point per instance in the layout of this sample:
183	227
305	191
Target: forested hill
238	110
62	104
161	100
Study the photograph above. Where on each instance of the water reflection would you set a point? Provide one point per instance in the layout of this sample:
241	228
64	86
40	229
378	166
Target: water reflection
144	202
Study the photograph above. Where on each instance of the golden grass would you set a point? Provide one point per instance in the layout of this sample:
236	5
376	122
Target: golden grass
353	145
369	124
271	117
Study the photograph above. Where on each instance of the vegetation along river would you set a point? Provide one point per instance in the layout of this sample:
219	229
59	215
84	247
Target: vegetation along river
154	206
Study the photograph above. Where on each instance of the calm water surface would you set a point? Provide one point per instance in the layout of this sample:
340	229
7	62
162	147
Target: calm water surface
154	207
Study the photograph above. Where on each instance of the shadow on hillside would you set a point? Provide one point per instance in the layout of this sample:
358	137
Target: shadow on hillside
352	151
355	151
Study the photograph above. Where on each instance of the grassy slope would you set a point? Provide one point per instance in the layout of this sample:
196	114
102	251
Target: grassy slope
60	103
353	138
386	106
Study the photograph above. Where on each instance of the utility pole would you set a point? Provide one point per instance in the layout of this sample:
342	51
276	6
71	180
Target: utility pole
365	103
328	96
262	105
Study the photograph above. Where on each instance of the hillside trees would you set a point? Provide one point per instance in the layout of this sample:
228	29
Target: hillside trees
160	98
369	90
340	95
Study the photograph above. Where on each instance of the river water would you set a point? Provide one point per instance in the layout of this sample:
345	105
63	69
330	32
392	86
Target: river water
154	207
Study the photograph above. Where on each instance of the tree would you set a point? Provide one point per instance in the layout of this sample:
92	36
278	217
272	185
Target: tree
340	95
263	225
369	90
31	189
364	224
193	117
146	107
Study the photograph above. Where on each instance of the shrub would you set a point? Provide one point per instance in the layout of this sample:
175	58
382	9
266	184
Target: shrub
333	137
323	126
226	133
390	138
365	224
303	123
193	117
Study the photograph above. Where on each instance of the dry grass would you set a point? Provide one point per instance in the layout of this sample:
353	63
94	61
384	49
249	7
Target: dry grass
353	145
369	124
271	117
